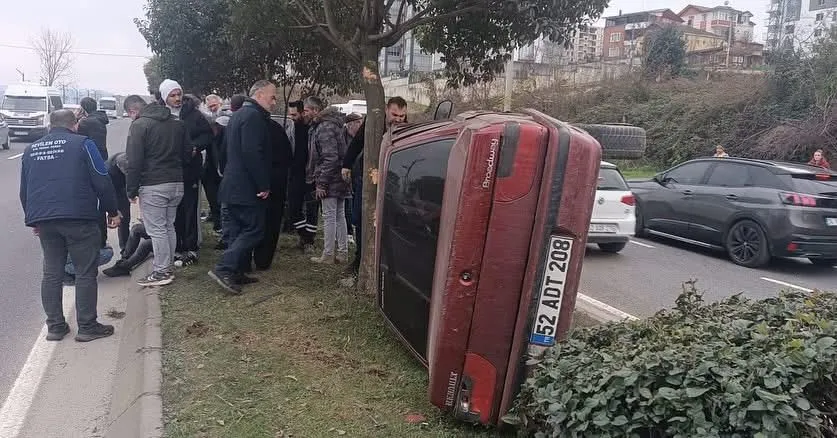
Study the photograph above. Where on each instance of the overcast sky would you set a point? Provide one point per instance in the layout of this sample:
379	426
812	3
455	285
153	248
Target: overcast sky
106	26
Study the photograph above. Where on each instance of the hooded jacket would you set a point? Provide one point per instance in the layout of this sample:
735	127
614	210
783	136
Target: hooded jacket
94	126
158	145
326	150
248	158
201	135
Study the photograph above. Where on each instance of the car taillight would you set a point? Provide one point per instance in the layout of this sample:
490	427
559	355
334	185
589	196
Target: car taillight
629	200
798	199
822	177
476	395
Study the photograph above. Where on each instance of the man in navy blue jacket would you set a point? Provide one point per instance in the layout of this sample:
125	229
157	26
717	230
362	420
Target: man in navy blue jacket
63	183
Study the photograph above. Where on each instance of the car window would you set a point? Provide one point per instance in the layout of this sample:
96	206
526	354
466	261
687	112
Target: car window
55	103
611	179
729	175
815	187
761	177
689	174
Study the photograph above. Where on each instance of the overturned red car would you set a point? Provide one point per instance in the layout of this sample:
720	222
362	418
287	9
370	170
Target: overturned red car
482	223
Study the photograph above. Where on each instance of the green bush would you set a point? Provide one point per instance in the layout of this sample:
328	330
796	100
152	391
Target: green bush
738	368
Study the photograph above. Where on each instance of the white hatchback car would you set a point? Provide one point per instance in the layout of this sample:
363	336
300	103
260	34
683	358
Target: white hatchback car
614	214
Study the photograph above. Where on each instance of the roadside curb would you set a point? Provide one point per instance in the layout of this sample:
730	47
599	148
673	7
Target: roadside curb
136	408
600	311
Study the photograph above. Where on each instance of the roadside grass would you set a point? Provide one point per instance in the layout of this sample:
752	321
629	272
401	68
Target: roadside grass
295	356
638	173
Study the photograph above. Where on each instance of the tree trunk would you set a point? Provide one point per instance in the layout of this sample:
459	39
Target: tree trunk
375	126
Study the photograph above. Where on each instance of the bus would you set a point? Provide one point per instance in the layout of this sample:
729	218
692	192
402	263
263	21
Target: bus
108	105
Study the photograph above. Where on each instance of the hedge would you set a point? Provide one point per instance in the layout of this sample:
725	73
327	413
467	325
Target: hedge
737	368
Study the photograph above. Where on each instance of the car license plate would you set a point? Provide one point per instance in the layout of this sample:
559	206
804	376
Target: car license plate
831	221
21	133
545	324
603	228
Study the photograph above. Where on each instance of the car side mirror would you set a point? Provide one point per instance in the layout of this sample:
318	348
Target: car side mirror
661	179
443	110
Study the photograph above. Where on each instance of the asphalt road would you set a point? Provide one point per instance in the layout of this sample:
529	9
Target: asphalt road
21	314
648	275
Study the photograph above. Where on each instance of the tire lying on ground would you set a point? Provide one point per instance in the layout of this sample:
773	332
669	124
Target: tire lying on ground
619	142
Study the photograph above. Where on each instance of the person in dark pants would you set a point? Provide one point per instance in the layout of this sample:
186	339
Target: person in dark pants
138	249
211	178
281	160
302	204
63	181
354	122
245	186
117	169
353	170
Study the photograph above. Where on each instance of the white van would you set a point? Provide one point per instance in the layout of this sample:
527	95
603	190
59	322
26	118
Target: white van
108	105
352	106
26	107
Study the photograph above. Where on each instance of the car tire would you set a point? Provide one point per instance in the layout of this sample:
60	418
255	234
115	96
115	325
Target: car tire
824	262
747	245
613	247
618	141
639	229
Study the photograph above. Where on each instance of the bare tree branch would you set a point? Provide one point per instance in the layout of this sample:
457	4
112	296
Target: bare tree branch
330	31
53	49
394	34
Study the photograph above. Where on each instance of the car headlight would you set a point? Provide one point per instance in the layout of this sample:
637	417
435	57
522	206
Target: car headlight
40	120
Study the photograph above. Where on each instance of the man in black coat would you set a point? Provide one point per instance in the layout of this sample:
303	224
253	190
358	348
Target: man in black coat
94	125
246	185
303	206
280	163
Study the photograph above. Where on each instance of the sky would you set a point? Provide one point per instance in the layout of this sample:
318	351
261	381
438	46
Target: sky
107	27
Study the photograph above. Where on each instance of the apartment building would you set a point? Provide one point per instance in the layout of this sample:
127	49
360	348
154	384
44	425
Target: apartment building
797	24
719	20
623	33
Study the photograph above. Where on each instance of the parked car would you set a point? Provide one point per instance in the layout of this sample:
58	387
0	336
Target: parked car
478	264
614	218
752	209
4	133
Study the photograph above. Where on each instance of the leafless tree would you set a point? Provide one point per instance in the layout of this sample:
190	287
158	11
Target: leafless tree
53	48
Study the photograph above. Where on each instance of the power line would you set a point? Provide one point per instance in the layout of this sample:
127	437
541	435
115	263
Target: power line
80	52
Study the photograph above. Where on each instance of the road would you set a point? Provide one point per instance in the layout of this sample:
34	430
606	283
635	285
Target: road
21	314
648	274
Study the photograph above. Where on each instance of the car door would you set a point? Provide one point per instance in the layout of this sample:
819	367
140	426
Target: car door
719	200
667	209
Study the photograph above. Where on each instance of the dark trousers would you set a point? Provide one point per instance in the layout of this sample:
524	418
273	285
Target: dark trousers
124	230
357	218
187	221
137	248
304	209
348	209
82	241
275	211
244	227
211	183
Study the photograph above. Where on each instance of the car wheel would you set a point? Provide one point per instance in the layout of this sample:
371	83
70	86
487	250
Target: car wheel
618	141
612	247
824	262
639	229
747	245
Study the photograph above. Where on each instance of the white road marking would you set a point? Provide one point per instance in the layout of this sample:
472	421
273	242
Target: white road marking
615	313
644	245
17	404
786	284
15	156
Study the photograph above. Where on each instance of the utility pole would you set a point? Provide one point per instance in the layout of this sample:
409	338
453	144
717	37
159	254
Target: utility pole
509	82
22	76
732	20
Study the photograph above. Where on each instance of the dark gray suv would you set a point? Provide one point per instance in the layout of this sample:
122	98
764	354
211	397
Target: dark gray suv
752	209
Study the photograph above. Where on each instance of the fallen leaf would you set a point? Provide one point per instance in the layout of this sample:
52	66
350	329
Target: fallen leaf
415	418
221	422
341	432
292	378
200	366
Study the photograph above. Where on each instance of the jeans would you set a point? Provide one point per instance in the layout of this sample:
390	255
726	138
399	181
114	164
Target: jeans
335	226
137	248
82	241
159	210
244	226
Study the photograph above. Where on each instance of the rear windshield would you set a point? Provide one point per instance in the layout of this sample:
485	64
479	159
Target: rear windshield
611	179
815	187
107	105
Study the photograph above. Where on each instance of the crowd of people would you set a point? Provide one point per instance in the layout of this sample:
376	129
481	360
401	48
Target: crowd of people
255	172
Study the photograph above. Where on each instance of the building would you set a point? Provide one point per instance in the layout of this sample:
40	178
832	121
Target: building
743	55
719	20
623	34
797	24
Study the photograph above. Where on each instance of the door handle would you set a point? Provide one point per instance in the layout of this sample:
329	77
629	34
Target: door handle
732	197
687	192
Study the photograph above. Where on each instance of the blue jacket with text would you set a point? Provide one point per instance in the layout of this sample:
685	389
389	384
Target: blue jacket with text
63	177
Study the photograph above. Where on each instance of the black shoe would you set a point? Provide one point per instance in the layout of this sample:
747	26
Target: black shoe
117	270
58	333
226	281
156	279
98	331
244	280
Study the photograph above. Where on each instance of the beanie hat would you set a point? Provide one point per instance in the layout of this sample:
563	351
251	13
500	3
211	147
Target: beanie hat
167	86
